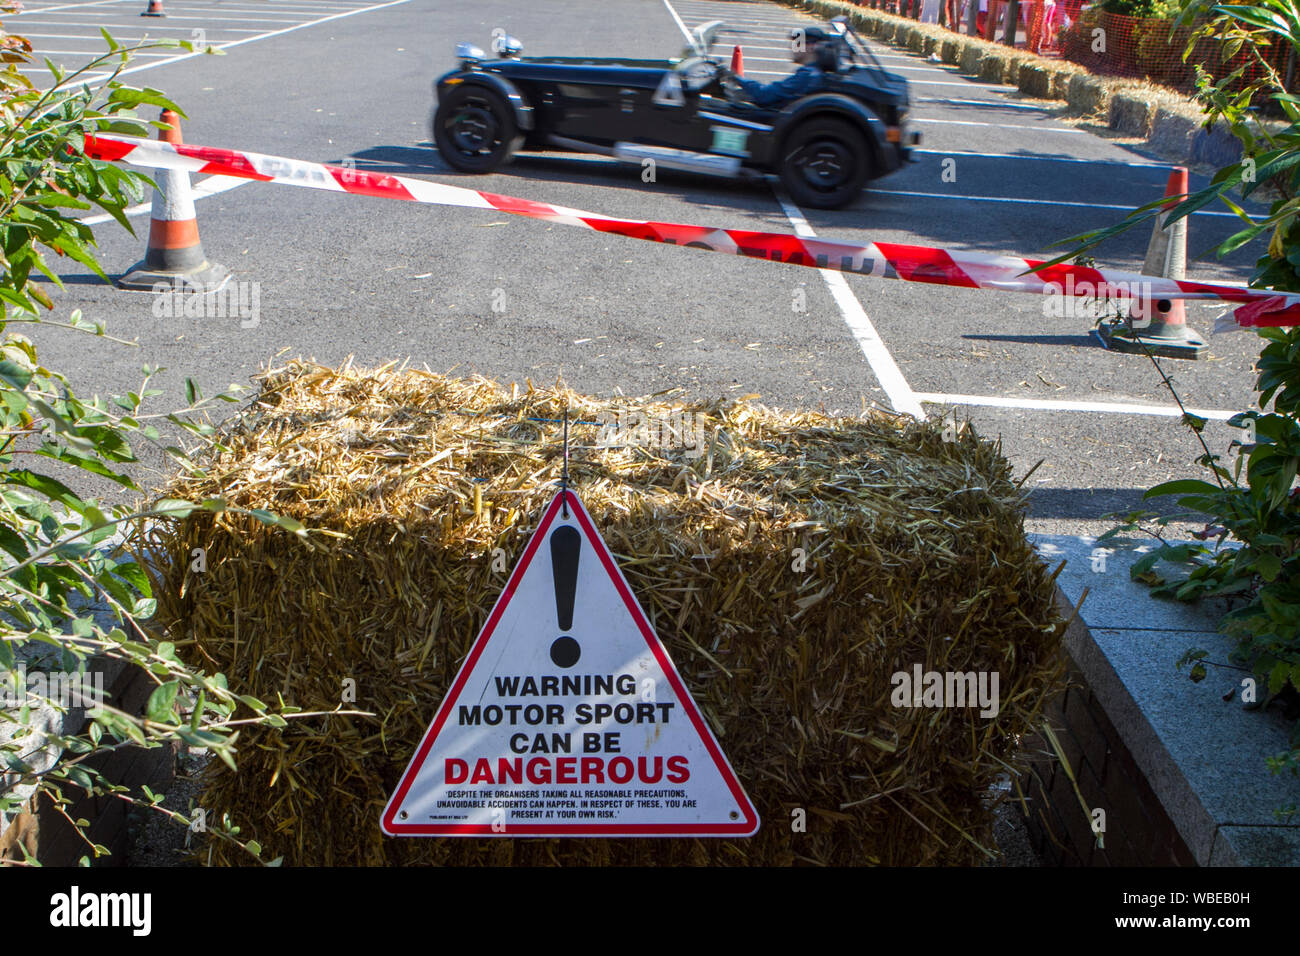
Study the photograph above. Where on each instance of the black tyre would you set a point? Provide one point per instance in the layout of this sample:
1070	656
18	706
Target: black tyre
475	129
825	163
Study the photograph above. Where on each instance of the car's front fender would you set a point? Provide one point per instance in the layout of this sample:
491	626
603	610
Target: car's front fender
523	110
832	104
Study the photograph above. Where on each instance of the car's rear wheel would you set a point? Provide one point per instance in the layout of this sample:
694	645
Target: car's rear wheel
825	163
475	129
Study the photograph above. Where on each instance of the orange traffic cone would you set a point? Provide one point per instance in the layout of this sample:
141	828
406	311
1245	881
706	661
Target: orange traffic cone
155	9
737	61
1160	326
174	257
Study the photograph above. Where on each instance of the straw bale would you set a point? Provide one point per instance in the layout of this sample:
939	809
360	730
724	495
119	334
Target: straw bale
409	480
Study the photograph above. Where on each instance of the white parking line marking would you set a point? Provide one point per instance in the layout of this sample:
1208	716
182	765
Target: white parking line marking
931	69
251	7
266	36
120	38
1115	408
735	28
966	85
64	6
41	51
1045	159
1036	129
678	20
170	16
901	397
760	15
755	46
1027	202
997	104
152	27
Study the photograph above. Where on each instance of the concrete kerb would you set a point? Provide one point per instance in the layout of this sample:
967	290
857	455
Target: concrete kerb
1202	753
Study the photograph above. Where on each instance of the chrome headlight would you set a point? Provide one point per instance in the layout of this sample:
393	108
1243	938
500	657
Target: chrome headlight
468	51
506	46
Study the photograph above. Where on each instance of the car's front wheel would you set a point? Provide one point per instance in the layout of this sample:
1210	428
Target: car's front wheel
825	163
475	129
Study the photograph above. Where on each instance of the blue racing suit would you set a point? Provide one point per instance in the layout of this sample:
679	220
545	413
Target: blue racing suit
805	80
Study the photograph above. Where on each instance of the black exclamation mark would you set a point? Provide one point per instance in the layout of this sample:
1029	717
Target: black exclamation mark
566	546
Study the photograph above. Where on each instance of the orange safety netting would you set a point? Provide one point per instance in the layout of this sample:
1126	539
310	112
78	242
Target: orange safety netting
1108	44
1113	45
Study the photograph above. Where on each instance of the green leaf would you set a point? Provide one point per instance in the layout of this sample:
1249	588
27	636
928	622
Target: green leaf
1277	677
49	487
1182	486
14	375
1269	565
162	701
174	508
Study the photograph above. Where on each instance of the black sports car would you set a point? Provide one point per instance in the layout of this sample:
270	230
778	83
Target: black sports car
687	114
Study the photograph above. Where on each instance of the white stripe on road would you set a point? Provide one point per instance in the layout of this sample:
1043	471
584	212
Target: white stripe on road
755	46
1036	129
265	36
678	20
901	397
967	84
1028	202
234	8
996	104
159	26
122	40
64	6
43	52
1047	405
1046	159
149	28
886	370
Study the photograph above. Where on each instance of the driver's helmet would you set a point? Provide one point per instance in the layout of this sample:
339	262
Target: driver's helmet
821	43
828	57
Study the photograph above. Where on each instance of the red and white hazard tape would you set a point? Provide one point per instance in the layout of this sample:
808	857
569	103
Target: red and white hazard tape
883	259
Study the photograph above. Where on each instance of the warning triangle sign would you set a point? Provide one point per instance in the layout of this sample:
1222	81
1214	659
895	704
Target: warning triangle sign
568	718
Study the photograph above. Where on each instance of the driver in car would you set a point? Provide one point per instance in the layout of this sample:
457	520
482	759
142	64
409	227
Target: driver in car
813	50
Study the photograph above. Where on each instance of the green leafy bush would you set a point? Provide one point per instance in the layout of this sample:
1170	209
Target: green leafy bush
1250	506
70	591
1145	9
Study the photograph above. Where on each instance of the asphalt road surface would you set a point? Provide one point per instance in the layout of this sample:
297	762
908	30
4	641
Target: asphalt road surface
377	280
